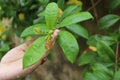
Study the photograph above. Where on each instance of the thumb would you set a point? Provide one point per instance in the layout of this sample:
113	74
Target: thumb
54	36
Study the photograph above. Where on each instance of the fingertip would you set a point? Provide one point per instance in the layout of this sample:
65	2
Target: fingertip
56	32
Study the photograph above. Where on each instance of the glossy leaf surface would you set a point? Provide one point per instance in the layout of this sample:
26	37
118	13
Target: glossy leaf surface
117	75
35	52
89	76
114	4
79	30
69	45
61	3
51	15
70	10
102	68
75	18
109	40
105	52
36	29
108	20
87	58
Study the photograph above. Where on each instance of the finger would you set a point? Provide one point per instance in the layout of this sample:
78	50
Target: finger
14	70
16	53
55	34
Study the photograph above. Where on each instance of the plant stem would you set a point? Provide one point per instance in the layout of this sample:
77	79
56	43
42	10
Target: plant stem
94	10
95	5
116	57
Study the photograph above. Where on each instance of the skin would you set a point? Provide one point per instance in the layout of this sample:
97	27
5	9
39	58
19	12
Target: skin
11	63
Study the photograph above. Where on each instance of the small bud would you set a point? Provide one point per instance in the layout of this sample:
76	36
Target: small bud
21	16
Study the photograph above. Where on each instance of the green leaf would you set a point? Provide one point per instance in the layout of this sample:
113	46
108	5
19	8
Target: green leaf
41	13
40	19
107	21
109	40
79	30
98	67
96	75
70	10
69	45
24	2
61	3
105	52
117	75
51	15
101	75
35	52
75	18
114	4
36	29
4	47
89	76
87	58
49	57
44	1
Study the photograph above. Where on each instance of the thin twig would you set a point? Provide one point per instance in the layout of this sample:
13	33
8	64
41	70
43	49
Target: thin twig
94	10
116	56
95	5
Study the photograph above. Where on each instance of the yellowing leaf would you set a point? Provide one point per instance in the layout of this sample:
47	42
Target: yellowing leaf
93	48
77	2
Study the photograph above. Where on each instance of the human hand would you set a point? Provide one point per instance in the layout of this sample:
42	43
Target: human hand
11	63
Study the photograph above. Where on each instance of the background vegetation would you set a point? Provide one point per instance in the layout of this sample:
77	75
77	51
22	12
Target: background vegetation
98	39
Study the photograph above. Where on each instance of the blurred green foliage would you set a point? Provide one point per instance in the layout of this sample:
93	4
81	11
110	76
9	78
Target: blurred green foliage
99	59
15	16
